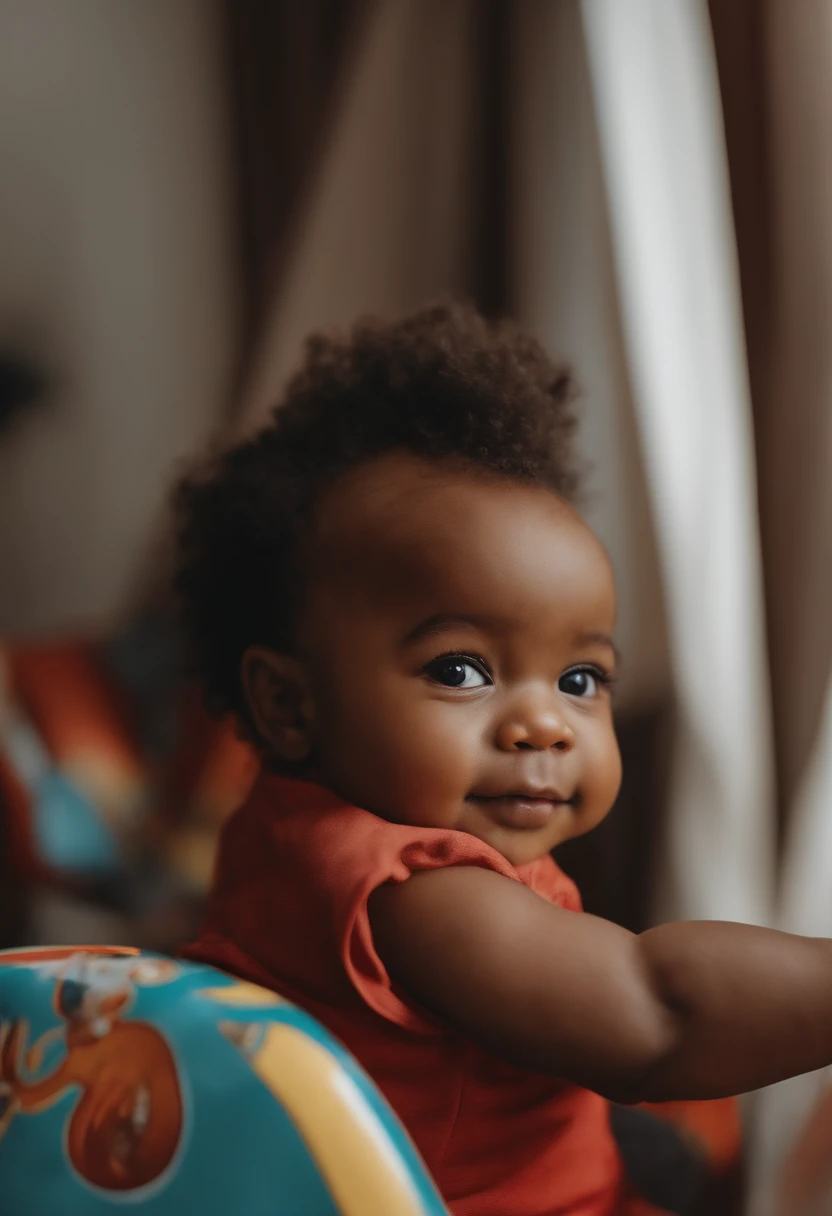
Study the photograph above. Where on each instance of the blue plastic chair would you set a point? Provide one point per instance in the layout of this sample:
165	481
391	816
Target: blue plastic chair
135	1082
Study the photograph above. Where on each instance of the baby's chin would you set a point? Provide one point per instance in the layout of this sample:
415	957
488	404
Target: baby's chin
520	845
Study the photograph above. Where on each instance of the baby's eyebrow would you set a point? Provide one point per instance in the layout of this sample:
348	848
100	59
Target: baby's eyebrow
444	621
597	638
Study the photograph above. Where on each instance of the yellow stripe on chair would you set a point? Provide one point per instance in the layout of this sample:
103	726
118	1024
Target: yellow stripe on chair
243	994
348	1142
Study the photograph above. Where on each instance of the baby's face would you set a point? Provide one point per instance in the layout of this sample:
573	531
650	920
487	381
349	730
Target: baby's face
457	644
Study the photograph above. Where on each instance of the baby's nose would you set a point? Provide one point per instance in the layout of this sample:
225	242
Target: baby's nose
535	729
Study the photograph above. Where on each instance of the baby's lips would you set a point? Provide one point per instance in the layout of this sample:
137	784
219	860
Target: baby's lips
525	794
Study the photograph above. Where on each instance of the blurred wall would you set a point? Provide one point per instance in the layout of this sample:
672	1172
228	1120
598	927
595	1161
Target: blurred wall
117	272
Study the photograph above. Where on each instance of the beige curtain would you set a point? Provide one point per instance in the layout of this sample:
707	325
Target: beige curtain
791	264
384	221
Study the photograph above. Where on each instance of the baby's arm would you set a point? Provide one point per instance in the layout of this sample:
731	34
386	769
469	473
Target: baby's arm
688	1010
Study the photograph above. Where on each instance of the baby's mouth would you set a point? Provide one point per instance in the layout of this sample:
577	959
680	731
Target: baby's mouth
521	810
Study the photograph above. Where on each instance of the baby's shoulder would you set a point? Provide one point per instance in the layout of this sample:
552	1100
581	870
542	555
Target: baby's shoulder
547	879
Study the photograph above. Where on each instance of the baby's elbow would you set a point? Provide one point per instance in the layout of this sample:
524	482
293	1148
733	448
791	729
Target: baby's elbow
637	1066
630	1090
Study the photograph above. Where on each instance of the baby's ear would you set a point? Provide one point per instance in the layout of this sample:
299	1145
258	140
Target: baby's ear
278	696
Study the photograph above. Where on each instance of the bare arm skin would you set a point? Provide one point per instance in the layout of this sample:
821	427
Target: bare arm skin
688	1010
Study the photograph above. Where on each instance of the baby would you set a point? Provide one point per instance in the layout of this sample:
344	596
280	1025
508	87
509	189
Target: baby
390	589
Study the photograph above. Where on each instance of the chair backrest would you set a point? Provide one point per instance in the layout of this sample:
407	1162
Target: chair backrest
130	1076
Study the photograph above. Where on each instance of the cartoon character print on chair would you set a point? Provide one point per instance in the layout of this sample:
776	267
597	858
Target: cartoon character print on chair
124	1130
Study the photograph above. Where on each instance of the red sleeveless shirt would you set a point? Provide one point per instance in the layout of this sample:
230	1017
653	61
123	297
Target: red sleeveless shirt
296	867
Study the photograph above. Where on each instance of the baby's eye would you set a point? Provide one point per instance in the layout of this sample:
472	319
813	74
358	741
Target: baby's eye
580	682
458	671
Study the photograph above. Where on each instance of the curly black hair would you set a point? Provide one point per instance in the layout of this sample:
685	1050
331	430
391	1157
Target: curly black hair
444	384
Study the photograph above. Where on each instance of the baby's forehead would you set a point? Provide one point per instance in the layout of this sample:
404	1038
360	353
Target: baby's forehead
393	496
405	528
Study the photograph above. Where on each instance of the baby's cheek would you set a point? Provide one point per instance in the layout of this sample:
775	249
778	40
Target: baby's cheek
435	744
437	750
602	774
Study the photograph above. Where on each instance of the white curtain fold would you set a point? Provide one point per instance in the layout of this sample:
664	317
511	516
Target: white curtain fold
657	106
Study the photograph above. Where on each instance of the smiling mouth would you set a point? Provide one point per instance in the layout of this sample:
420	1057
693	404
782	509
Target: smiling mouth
521	811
